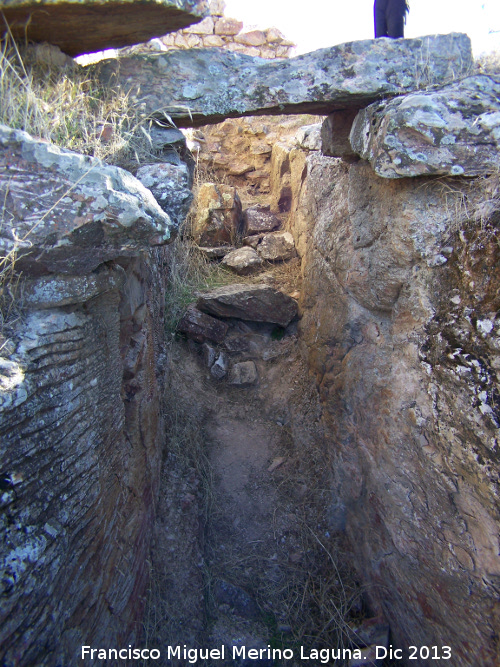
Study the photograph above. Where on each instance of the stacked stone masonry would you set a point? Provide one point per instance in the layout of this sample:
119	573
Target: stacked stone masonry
220	31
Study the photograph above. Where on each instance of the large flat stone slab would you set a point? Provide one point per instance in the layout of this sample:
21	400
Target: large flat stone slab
67	213
256	303
454	131
201	86
86	26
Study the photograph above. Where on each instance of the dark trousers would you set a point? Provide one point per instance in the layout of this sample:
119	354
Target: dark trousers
389	18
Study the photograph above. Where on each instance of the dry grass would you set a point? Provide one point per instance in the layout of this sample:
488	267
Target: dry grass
488	63
189	274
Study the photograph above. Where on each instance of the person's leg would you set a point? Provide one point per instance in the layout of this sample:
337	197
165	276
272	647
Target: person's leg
379	11
395	17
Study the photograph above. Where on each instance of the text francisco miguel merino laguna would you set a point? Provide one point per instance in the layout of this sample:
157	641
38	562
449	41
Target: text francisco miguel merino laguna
192	655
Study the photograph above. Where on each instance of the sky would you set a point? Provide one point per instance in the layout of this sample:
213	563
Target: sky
316	24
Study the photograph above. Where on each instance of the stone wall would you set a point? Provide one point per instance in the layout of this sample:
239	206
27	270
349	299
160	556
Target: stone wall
228	33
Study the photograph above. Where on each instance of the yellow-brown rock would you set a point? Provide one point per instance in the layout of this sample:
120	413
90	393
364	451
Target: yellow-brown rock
218	215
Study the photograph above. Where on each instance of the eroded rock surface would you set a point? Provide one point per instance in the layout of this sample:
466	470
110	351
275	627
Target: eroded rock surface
201	86
405	352
85	26
68	213
81	427
454	131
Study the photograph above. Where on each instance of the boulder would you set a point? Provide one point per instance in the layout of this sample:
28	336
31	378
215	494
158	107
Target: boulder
170	186
86	26
243	374
452	131
196	87
218	215
277	247
243	261
68	213
256	303
202	327
259	219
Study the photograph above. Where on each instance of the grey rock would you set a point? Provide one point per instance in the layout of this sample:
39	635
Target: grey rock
277	247
200	86
170	186
259	219
243	374
83	26
452	131
257	303
309	137
243	261
220	366
68	213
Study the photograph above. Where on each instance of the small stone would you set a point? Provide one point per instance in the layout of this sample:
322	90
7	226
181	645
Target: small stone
243	261
259	219
209	355
251	38
279	460
277	247
205	27
219	368
274	35
212	41
243	374
227	26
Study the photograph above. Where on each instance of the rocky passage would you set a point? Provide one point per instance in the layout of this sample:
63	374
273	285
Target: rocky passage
351	420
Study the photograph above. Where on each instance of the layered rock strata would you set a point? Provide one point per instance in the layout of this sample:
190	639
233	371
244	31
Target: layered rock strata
201	86
81	421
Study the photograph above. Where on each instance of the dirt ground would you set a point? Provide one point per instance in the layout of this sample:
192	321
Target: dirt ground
243	552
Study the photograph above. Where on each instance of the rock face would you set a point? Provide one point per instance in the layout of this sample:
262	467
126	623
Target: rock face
81	430
405	350
85	26
454	131
257	303
201	86
79	212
